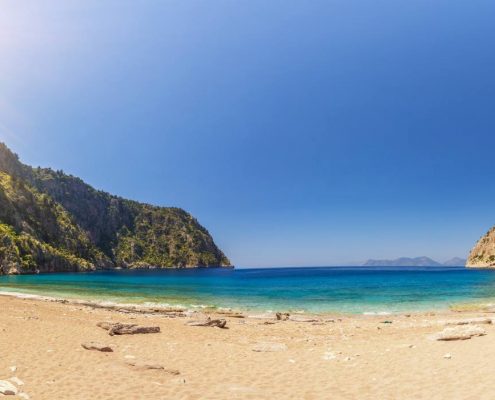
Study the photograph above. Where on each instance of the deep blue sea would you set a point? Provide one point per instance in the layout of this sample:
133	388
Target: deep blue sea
324	289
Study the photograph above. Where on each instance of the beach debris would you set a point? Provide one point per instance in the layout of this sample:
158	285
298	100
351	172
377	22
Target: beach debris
8	389
126	329
219	323
151	366
462	332
282	316
470	321
302	318
386	322
97	346
447	356
267	347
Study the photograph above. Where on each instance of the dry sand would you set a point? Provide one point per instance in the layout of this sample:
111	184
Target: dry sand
354	357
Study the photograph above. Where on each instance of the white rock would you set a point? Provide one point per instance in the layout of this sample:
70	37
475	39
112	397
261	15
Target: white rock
448	356
16	381
265	347
462	332
8	388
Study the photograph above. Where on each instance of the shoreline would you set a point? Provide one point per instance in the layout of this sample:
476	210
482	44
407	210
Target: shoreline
167	309
256	357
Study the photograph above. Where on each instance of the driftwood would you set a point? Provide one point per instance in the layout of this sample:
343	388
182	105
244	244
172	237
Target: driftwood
148	366
126	329
97	346
220	323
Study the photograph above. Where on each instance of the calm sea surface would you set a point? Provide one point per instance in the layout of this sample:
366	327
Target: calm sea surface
340	289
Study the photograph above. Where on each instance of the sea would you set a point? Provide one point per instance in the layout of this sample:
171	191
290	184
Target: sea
355	290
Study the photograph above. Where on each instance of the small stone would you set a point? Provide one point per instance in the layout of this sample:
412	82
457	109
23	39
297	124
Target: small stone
448	356
13	368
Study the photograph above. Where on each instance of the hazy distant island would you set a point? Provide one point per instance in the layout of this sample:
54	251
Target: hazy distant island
51	222
415	262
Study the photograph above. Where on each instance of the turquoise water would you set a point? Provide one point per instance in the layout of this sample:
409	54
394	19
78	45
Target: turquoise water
334	289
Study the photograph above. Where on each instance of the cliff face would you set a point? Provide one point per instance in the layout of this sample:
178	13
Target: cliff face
483	253
50	222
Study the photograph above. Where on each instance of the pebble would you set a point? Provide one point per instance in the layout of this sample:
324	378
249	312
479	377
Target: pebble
448	356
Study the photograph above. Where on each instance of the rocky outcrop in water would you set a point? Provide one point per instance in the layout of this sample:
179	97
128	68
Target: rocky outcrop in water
483	253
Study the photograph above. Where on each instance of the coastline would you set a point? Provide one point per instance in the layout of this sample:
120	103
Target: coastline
165	308
256	357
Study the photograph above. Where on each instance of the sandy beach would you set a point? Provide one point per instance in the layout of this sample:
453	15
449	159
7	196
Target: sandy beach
335	357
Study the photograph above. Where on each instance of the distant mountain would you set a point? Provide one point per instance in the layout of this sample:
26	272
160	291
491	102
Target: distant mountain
53	222
455	262
414	262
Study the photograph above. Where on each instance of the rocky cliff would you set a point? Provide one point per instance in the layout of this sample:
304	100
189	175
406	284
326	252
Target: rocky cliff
483	253
51	221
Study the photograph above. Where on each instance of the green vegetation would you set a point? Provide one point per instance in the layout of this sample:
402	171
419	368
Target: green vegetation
50	221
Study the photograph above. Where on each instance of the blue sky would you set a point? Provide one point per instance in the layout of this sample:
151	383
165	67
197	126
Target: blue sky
298	133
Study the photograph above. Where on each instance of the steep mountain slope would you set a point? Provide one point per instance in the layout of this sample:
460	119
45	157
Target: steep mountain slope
50	221
483	253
